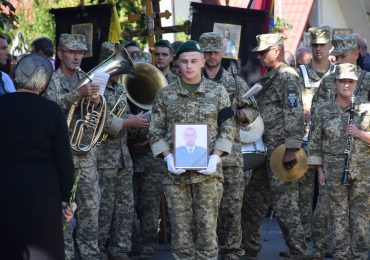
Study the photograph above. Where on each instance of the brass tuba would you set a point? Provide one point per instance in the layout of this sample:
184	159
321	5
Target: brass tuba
142	87
89	125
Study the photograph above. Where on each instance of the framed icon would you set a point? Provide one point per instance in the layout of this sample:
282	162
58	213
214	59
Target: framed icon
191	146
87	30
231	34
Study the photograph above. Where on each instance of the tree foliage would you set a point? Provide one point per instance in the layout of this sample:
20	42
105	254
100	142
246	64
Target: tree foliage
8	18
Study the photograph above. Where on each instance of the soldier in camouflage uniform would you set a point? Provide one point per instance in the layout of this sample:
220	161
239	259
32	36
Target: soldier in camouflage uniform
229	220
163	59
193	197
346	51
147	184
62	90
280	105
310	76
115	171
349	205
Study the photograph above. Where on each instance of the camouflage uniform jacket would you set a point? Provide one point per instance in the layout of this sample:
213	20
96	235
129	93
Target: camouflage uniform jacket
170	77
311	84
280	106
328	138
173	105
113	152
231	84
63	91
326	90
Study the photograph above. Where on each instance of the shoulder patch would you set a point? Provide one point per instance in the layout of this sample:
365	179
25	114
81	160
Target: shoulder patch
292	97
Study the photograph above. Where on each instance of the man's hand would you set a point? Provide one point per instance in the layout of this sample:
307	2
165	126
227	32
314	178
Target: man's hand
171	165
137	121
214	159
240	115
321	176
353	130
289	159
88	89
68	212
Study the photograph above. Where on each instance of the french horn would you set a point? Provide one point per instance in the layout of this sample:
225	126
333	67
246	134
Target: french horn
87	126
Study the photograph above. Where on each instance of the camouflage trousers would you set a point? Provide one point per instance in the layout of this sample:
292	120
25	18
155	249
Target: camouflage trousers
193	210
255	205
69	251
148	200
116	211
87	200
306	190
321	230
350	214
229	229
285	203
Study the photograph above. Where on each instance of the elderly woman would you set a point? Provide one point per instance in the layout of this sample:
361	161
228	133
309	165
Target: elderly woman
36	165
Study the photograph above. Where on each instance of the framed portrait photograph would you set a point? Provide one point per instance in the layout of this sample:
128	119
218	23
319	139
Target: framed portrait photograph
231	34
191	146
87	30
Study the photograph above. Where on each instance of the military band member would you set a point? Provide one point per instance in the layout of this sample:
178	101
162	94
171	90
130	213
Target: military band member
115	170
310	77
193	197
280	105
163	58
62	90
147	184
229	220
346	51
333	132
131	46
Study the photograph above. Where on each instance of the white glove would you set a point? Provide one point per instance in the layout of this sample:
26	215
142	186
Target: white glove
171	165
214	159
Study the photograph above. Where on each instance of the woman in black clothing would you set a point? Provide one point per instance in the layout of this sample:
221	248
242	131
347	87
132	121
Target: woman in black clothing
36	167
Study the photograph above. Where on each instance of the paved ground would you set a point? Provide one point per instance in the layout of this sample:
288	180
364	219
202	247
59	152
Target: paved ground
272	240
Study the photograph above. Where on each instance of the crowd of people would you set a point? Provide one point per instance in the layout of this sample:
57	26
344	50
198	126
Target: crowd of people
316	100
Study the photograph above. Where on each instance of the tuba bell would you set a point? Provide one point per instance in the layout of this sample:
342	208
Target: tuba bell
87	126
142	86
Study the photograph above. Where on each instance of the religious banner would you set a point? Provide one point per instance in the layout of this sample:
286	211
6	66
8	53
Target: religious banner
93	21
239	26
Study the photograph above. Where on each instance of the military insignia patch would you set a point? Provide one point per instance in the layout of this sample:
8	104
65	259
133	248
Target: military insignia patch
292	98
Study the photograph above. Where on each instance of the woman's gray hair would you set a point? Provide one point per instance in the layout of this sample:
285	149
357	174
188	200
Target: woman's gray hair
33	72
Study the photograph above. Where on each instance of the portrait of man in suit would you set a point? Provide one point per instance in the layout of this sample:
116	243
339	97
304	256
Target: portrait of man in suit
190	155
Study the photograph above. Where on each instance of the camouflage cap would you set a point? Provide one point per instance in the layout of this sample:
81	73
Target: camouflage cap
106	50
141	56
346	71
73	42
343	43
212	41
268	40
320	35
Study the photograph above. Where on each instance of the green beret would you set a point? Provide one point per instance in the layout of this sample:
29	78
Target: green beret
189	46
163	43
131	43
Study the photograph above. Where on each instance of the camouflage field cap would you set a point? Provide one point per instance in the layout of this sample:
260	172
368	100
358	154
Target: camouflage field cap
268	40
73	42
189	46
212	41
346	71
343	43
141	56
320	35
106	50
